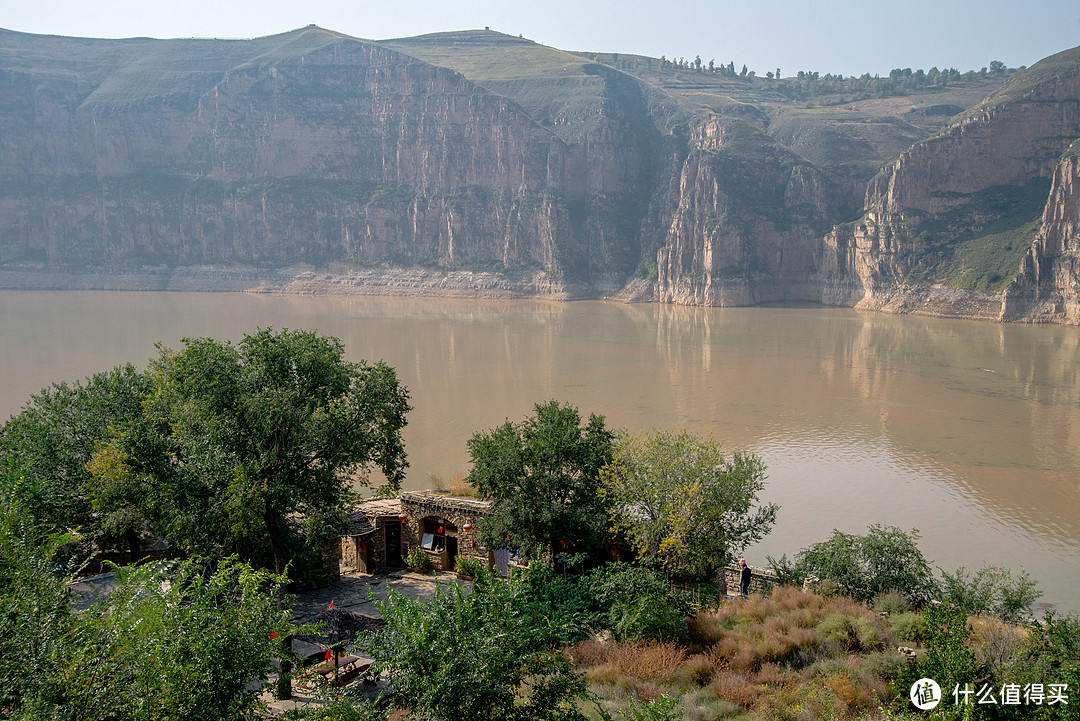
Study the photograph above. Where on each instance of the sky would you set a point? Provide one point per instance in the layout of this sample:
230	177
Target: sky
840	36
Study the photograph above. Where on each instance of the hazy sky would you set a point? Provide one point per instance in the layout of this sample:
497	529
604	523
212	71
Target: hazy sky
841	36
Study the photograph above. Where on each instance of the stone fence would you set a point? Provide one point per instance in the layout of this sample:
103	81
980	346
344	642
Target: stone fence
761	581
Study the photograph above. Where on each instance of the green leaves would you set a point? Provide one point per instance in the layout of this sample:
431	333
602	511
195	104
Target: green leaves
478	655
254	433
682	503
542	476
885	559
218	448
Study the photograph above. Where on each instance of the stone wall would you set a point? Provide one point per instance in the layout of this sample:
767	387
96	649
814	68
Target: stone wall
460	512
761	581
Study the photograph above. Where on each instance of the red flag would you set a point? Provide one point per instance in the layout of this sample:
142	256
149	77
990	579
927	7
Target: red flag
330	606
273	635
328	652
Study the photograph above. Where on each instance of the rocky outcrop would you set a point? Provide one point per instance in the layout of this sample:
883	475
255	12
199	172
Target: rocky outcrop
938	191
741	232
1048	286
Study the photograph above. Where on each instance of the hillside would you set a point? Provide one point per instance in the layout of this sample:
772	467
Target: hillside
523	169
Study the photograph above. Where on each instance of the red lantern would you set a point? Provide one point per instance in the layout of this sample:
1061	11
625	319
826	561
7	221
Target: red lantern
328	654
402	517
273	635
467	527
440	529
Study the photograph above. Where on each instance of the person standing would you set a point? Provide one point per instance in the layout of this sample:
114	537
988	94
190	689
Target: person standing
744	578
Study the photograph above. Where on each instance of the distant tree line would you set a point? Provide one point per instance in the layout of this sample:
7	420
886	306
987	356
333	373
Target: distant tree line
807	86
812	85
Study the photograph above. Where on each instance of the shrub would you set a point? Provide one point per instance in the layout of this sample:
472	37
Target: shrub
417	560
908	626
468	567
884	665
890	602
948	659
992	590
868	634
636	602
864	566
840	630
697	670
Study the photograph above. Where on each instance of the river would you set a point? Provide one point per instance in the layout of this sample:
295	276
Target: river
968	431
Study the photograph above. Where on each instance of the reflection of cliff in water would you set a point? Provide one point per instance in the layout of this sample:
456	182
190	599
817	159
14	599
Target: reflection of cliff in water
992	411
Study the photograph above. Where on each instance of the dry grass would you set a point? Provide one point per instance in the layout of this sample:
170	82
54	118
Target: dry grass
759	658
608	661
458	486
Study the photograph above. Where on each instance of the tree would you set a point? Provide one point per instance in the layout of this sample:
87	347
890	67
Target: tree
474	656
991	590
682	503
885	559
245	443
173	641
182	641
49	443
542	477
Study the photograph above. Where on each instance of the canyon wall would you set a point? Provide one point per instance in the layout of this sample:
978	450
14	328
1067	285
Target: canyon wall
316	162
349	152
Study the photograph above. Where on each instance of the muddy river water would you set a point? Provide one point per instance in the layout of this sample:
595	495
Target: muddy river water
968	431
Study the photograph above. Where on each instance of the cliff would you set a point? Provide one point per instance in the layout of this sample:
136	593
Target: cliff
308	147
947	224
1047	288
478	163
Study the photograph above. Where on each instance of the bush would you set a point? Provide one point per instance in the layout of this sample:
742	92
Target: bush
885	665
468	567
991	590
840	630
862	567
417	560
636	603
890	602
948	659
908	626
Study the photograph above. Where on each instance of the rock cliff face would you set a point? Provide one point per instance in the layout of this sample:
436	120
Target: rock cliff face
1048	286
930	206
346	152
475	163
742	232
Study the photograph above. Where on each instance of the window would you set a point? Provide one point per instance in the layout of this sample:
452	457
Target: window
433	533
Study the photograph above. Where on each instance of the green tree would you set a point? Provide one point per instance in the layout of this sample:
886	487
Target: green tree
182	641
476	655
50	442
991	590
680	501
542	476
252	448
886	558
173	640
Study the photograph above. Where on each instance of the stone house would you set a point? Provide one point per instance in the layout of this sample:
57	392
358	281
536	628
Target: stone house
374	541
383	529
443	526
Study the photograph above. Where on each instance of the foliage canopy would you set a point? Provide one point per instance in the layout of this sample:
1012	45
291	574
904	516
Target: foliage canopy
542	477
681	502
